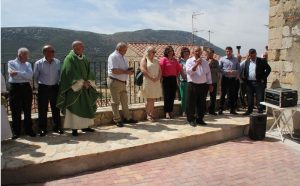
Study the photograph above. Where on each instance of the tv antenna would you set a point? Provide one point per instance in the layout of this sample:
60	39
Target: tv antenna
194	30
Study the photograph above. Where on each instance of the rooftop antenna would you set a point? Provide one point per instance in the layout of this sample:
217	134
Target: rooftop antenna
209	32
194	30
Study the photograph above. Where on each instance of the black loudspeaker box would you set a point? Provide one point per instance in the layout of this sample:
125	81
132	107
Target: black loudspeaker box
257	128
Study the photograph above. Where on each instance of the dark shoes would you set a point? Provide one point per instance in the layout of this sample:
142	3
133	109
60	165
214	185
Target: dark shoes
15	136
233	112
200	122
120	124
197	122
87	130
193	123
43	133
74	132
260	111
247	113
130	121
31	133
57	130
213	113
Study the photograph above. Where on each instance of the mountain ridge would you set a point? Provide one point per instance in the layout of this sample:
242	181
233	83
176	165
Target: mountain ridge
97	45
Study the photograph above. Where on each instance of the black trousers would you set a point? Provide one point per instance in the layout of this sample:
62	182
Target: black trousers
258	89
213	95
20	99
196	101
242	93
228	86
169	89
48	94
236	95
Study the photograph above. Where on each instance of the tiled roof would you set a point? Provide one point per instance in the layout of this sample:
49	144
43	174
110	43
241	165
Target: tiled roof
139	48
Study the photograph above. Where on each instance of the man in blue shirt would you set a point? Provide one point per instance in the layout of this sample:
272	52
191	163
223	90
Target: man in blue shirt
230	69
46	74
20	94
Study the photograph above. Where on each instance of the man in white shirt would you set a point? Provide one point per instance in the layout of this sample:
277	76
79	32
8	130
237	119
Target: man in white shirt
20	94
256	71
199	81
118	71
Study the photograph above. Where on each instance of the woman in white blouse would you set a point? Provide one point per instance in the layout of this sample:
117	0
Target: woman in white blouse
151	88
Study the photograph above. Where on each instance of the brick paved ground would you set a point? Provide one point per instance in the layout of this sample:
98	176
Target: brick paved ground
239	162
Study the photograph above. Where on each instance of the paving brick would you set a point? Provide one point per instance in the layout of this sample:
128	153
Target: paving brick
238	162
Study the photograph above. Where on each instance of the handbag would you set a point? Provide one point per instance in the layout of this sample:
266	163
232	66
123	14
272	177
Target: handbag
139	76
138	79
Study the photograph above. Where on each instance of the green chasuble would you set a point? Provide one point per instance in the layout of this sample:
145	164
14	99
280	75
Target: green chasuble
82	102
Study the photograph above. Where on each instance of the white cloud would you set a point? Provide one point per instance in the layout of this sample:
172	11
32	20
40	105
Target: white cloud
234	22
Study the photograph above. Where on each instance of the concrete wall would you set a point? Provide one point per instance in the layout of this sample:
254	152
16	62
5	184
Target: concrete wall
284	47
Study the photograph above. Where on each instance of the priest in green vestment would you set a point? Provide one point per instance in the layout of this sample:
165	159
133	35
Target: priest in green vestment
77	91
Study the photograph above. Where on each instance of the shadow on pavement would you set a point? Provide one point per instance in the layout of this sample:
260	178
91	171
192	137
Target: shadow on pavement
154	127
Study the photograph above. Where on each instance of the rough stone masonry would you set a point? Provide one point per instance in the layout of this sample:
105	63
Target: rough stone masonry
284	47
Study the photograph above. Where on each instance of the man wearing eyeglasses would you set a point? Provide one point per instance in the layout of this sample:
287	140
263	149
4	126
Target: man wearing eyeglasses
46	75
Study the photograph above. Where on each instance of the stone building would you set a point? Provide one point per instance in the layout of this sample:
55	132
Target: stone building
284	47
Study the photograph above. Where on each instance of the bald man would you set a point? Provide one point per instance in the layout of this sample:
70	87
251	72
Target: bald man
46	74
77	91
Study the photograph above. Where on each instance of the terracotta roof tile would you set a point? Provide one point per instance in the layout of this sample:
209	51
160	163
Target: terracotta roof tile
139	48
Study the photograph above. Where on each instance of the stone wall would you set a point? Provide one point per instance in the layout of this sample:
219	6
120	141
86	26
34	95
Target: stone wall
104	115
284	47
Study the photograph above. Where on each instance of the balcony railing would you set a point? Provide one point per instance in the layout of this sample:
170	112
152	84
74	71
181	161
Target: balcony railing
100	70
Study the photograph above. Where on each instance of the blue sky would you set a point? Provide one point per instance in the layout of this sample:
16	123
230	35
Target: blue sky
233	22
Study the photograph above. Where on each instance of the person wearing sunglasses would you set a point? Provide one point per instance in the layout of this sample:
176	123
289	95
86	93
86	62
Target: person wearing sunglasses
46	75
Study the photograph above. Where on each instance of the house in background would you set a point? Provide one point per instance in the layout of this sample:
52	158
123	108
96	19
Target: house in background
135	53
136	50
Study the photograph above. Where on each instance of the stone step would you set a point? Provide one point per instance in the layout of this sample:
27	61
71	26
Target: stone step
28	160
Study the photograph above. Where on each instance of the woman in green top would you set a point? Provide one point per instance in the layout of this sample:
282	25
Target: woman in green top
184	55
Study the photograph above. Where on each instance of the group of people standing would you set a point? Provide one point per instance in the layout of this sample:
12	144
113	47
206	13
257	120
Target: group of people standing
194	75
197	75
71	90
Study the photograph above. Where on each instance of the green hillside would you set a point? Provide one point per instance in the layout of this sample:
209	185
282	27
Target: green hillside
98	46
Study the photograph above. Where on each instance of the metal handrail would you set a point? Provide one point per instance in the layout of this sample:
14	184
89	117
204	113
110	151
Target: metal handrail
100	70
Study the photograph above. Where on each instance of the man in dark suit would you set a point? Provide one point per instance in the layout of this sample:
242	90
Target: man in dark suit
256	70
